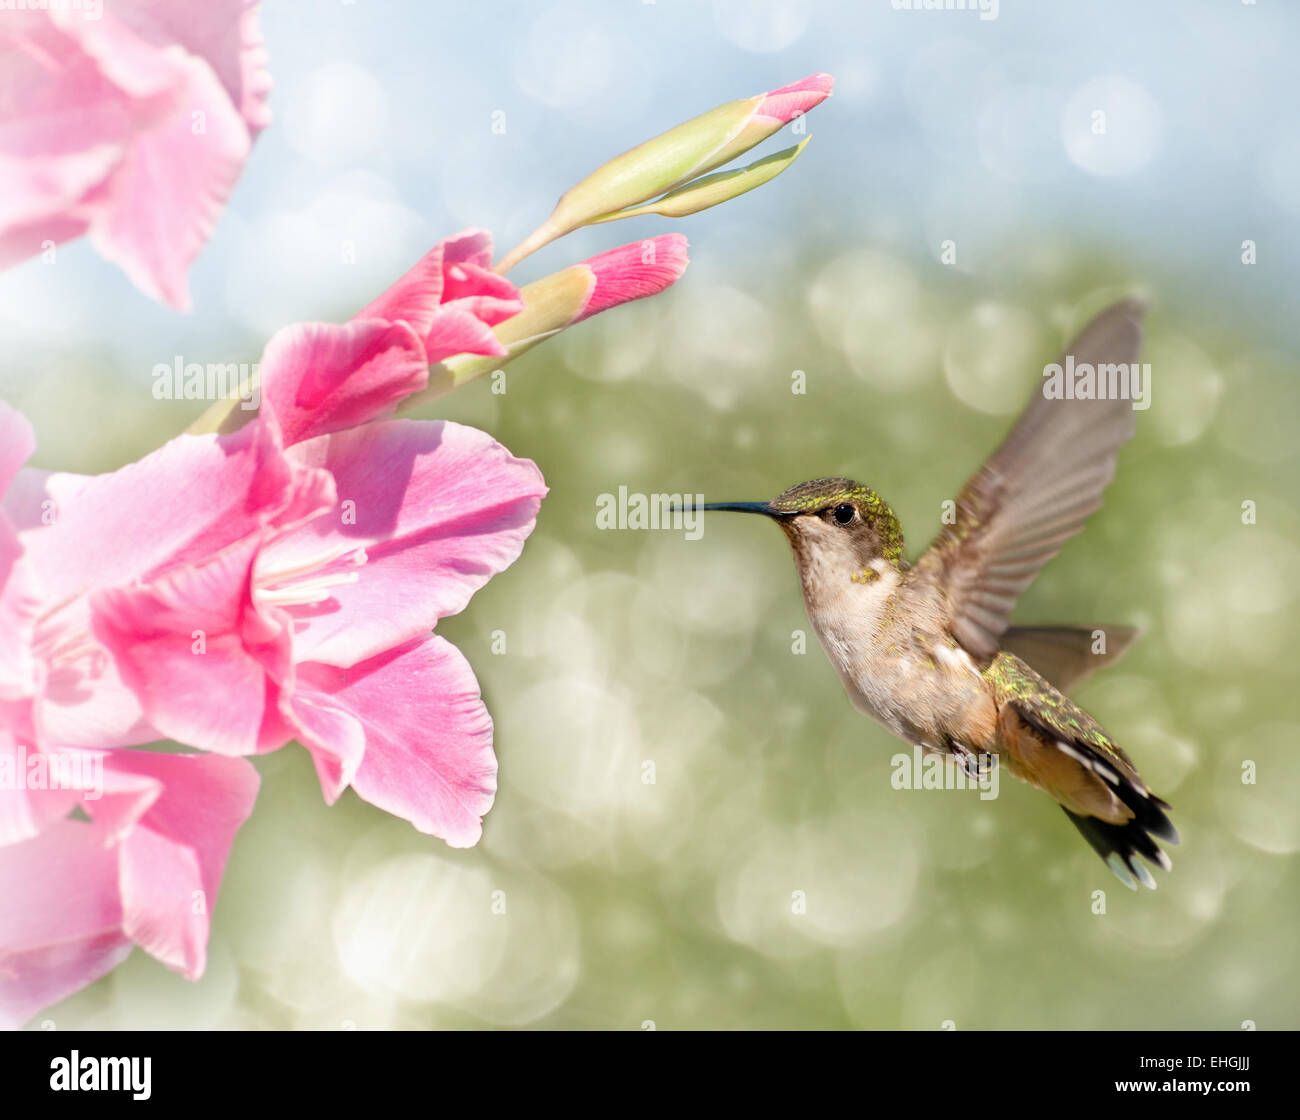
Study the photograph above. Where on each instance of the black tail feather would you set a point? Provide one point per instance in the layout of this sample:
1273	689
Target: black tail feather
1119	845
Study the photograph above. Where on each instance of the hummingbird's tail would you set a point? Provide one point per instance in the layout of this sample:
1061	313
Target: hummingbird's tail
1052	743
1120	844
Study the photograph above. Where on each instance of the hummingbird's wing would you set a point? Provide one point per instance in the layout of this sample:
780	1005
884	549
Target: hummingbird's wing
1068	655
1035	491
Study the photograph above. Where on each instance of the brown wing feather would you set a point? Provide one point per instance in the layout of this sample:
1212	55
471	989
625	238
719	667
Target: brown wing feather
1035	491
1066	655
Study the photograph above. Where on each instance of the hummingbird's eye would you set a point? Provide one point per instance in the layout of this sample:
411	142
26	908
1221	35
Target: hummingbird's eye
843	514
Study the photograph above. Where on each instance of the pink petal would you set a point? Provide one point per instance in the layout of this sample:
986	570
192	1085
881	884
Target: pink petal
460	332
82	701
162	202
64	127
790	101
172	858
117	130
182	503
335	738
224	33
25	811
130	529
634	271
470	246
146	868
181	645
439	508
414	299
320	377
60	925
481	292
451	297
428	737
136	68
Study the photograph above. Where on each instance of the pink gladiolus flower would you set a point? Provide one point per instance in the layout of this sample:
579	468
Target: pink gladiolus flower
240	608
451	298
144	869
280	595
322	377
178	508
321	627
145	866
288	588
131	128
555	302
234	592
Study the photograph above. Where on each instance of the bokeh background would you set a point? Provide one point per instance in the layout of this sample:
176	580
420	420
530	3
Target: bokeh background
596	899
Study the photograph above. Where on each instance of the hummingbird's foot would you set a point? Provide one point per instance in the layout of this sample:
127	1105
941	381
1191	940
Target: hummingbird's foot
975	765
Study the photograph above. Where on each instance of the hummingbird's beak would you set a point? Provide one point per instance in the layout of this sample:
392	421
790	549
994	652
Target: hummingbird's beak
746	507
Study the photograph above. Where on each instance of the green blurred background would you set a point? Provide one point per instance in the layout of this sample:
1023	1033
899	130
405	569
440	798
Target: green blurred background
596	899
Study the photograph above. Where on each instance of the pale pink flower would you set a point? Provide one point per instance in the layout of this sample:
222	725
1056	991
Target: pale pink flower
131	128
253	603
180	506
237	591
319	630
234	592
144	869
289	588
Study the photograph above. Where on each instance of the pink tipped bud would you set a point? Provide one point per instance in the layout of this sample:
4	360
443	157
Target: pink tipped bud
788	102
643	268
672	160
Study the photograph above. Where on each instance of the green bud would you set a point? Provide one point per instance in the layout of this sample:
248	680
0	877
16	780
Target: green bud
644	172
673	159
710	190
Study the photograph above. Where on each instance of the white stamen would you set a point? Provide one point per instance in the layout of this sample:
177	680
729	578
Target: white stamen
74	649
287	587
353	554
305	591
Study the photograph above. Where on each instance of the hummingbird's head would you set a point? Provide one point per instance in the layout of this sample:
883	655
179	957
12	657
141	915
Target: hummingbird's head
837	527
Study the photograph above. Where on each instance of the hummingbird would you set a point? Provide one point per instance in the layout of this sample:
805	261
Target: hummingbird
927	648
